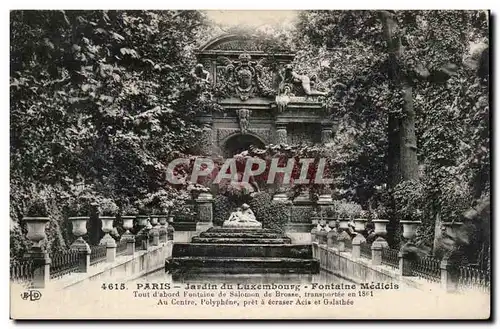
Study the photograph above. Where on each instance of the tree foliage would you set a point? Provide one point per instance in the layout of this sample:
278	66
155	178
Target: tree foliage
101	100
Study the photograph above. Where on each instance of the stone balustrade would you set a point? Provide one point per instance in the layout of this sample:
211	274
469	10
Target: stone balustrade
389	265
38	268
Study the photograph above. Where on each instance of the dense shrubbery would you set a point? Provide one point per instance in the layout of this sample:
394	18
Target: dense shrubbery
272	214
223	207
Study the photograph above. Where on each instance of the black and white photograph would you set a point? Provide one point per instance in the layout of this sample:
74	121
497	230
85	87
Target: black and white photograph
250	164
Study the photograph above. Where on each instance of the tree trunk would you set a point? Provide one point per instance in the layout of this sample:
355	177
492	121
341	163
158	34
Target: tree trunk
402	155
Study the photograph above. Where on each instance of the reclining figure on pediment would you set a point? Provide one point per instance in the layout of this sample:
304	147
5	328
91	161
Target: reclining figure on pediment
294	84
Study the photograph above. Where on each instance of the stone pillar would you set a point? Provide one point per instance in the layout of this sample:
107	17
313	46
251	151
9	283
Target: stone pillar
356	245
41	266
128	237
170	229
405	262
110	251
142	235
163	228
281	134
205	212
326	133
343	237
80	245
37	254
322	236
154	232
376	253
83	249
314	233
449	278
331	238
377	247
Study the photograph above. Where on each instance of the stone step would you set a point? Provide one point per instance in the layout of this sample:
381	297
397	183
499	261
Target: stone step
234	265
237	240
240	235
231	250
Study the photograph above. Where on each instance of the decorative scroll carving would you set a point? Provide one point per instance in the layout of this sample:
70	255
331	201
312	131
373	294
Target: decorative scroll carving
244	119
242	78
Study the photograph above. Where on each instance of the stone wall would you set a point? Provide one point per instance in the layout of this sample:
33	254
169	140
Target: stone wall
125	268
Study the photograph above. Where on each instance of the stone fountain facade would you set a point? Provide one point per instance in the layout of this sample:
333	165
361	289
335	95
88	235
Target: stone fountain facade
264	101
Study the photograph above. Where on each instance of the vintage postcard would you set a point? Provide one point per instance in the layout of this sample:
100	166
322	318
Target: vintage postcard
197	164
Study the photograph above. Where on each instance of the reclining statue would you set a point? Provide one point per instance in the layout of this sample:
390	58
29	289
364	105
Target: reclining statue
290	77
242	217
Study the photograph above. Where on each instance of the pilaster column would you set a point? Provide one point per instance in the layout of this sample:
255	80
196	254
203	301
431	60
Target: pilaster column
281	134
206	146
326	133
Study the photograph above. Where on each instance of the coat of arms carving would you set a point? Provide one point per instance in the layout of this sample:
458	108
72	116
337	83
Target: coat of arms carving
242	78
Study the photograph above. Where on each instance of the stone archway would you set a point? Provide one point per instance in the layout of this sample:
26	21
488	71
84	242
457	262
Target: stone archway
239	143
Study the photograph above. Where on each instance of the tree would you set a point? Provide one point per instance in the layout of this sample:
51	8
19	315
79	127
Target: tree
101	99
413	81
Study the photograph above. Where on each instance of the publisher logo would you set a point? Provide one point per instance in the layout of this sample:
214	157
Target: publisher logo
31	295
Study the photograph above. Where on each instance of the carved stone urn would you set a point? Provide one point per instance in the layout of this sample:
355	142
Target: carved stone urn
107	227
163	220
79	226
36	229
142	220
79	230
128	223
380	227
343	222
451	228
410	228
360	224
